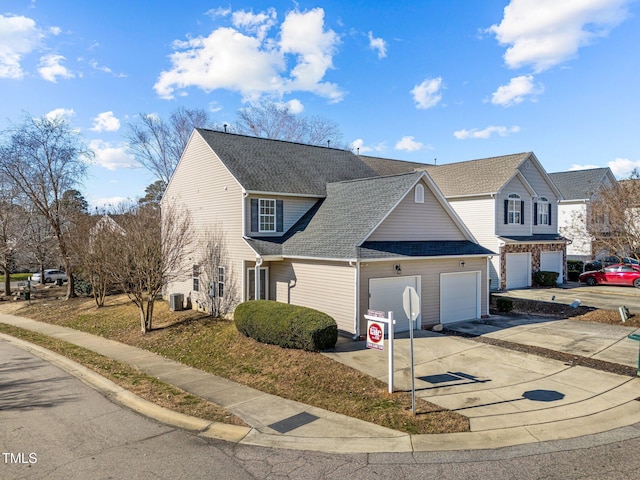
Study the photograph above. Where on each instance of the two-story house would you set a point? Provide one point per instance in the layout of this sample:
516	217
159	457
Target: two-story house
319	227
578	188
510	205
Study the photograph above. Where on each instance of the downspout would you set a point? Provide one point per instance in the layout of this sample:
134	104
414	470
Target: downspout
257	275
356	309
245	293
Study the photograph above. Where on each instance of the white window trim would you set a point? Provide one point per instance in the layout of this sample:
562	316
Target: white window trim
265	215
195	278
419	194
514	209
250	284
221	283
543	211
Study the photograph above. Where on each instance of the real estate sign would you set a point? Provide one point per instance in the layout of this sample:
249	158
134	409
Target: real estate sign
375	335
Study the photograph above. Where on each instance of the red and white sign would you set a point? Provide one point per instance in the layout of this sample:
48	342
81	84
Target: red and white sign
375	335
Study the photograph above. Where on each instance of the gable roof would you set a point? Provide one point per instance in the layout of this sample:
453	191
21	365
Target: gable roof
276	166
339	225
471	177
581	184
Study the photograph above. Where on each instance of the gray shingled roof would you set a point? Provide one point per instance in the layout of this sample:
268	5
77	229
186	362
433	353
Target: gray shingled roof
349	213
336	225
373	250
264	165
472	177
476	177
579	184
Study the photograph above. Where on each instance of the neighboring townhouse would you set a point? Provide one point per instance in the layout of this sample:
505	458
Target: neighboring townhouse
510	205
319	227
578	188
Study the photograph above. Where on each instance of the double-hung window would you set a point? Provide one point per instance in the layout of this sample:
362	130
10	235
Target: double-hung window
221	280
543	211
196	278
267	215
514	209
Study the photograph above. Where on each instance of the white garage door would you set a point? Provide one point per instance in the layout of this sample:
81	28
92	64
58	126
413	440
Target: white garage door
385	294
552	262
518	270
459	296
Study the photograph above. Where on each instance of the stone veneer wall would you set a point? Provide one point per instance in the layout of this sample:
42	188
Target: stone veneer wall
535	249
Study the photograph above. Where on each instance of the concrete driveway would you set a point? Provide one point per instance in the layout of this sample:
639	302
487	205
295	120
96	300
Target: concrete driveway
600	296
498	388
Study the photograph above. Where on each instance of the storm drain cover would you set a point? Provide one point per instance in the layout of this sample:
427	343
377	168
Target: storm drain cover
291	423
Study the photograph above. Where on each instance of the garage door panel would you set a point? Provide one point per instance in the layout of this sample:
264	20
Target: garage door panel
459	297
385	294
518	266
552	262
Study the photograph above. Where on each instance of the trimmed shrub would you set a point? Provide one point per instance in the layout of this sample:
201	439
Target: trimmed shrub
545	279
504	304
574	269
288	326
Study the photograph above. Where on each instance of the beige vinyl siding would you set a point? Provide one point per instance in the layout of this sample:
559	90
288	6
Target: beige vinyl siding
429	271
539	182
202	185
325	286
514	186
479	215
294	209
417	221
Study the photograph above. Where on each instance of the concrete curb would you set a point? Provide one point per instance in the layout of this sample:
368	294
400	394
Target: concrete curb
121	396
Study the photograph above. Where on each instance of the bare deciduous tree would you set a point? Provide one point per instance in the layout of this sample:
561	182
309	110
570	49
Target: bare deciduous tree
218	293
44	158
276	121
158	144
150	253
12	228
39	243
94	243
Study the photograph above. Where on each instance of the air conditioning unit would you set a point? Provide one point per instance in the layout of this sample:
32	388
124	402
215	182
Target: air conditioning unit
176	301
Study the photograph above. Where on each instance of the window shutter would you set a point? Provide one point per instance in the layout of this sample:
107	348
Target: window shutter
535	213
522	212
549	213
506	212
254	214
279	216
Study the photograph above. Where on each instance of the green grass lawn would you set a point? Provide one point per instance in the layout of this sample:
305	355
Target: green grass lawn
17	277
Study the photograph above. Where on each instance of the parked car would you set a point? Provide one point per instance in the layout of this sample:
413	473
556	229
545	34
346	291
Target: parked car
618	274
605	262
50	276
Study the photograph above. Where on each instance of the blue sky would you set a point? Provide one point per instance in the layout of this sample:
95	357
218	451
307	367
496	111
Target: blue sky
424	81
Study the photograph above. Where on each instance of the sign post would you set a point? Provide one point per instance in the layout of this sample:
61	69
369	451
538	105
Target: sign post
375	336
411	306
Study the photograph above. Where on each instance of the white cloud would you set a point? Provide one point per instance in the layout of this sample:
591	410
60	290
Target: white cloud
295	106
245	59
60	112
106	122
107	204
622	167
427	94
544	33
51	68
19	36
485	132
515	91
378	44
576	166
112	157
409	144
358	146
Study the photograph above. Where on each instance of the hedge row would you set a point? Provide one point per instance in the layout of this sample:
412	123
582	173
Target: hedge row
288	326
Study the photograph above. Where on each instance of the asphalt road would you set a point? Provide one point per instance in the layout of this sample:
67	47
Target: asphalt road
55	427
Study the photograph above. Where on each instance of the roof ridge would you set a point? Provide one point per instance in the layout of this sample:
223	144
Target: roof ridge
274	140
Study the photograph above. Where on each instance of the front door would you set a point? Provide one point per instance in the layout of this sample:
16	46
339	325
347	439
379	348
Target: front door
251	283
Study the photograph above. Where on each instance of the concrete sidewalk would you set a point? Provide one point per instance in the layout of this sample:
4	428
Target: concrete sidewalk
511	398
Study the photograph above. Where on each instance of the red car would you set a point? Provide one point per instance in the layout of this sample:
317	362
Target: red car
618	274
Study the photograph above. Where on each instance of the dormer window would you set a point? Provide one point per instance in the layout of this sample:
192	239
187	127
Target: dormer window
542	213
419	193
267	213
